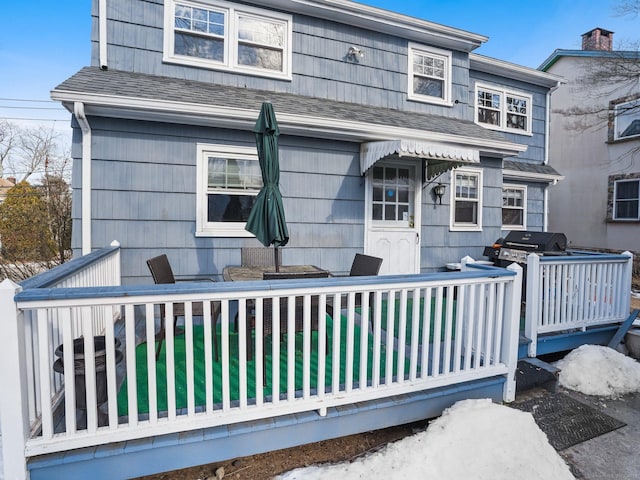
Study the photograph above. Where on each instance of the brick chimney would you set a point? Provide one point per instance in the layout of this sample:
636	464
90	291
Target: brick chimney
598	39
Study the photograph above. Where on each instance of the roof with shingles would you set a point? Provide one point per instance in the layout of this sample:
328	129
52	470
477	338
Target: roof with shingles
114	83
528	167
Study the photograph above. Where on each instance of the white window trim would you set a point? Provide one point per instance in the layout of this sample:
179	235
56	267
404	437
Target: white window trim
615	192
230	62
465	227
216	229
616	119
524	206
436	52
503	92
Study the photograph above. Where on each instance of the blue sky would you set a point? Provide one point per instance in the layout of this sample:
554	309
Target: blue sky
42	42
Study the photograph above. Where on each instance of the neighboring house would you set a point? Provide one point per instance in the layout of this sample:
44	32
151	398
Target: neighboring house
6	184
375	109
595	142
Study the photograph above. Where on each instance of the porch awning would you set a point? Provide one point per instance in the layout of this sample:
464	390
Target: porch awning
439	157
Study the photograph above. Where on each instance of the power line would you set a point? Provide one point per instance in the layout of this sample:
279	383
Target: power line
33	108
26	100
37	119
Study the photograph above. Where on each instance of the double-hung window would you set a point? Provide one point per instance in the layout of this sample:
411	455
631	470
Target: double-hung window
501	109
627	120
225	36
429	74
626	199
466	198
514	207
229	180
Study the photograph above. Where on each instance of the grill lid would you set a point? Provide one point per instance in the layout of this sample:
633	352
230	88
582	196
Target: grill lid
536	241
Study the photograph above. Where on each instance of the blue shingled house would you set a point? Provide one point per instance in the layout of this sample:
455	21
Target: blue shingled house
396	140
375	109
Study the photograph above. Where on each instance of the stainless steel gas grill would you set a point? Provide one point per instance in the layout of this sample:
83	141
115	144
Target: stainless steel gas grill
517	245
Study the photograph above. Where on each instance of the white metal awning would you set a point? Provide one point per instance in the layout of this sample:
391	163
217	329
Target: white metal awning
439	157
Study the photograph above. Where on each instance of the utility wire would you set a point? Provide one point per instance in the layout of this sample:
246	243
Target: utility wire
32	108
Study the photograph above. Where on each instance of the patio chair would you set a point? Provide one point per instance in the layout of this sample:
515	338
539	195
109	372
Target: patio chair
365	265
362	266
267	309
162	274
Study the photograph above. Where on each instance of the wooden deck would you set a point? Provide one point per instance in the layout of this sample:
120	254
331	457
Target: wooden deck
311	390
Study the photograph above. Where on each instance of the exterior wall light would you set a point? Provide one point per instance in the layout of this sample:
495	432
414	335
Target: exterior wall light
438	191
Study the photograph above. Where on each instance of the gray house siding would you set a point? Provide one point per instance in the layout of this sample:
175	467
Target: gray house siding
535	152
440	245
144	195
144	171
321	68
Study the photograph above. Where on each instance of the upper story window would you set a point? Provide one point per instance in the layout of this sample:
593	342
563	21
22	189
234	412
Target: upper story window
220	35
429	74
514	207
627	120
229	180
500	109
626	197
466	198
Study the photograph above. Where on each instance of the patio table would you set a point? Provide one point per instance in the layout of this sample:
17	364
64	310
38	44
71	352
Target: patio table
240	273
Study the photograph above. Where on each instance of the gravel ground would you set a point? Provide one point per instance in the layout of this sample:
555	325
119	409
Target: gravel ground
267	465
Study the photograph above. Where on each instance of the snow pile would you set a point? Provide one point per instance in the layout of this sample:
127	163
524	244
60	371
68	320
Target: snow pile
474	439
601	371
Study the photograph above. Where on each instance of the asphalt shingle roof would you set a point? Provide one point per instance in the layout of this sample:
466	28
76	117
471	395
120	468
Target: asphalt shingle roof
529	167
93	80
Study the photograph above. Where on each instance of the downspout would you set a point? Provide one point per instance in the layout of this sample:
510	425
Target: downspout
85	216
547	142
102	32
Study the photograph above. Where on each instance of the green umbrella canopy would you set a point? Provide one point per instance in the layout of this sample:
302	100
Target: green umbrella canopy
266	219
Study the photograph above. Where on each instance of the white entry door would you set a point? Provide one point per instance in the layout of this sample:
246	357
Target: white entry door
393	216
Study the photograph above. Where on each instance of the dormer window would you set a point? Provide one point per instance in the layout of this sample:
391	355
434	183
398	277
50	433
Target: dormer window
429	75
224	36
504	110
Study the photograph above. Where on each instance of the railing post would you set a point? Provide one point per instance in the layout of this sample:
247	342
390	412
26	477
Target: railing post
533	306
510	337
116	264
14	402
627	281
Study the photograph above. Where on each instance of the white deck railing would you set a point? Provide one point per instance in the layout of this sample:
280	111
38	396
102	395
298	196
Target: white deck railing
576	291
394	345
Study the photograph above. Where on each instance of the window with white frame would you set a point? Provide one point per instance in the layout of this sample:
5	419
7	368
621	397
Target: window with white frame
429	74
626	199
501	109
466	198
229	179
514	207
221	35
627	120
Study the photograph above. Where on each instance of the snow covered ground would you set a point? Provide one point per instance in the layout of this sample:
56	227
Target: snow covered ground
476	439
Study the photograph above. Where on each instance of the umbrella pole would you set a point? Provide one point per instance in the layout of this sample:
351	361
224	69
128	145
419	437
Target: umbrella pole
275	254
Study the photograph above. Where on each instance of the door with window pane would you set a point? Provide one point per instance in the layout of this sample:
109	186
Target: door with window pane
392	232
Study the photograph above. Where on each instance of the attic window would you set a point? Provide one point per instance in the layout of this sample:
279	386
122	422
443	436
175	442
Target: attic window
224	36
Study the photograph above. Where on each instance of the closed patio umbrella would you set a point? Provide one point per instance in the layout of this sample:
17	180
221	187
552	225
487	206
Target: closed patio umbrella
266	219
